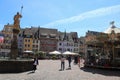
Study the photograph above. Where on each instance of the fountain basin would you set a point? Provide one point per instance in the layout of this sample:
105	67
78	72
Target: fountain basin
15	66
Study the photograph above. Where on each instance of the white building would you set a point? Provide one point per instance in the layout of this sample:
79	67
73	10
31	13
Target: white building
68	42
20	42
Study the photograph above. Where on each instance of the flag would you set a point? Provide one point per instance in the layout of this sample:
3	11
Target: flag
1	38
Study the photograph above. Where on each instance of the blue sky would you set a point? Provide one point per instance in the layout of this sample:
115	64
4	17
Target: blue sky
70	15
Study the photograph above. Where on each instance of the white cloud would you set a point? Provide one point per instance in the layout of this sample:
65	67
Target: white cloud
86	15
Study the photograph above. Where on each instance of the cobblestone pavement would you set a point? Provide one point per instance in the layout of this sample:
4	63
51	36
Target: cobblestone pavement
49	70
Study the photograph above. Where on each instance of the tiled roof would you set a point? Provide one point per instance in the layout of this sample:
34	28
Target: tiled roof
38	31
68	36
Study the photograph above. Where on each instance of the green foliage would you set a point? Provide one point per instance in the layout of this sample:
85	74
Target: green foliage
40	54
54	57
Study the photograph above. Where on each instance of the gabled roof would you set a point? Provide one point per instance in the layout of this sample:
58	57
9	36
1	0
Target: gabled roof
72	36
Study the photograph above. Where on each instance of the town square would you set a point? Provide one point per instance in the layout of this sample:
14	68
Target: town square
49	70
60	40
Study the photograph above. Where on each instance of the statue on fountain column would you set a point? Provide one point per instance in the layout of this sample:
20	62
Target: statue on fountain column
17	20
16	30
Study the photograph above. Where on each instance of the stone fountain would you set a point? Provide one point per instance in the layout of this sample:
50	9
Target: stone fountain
14	63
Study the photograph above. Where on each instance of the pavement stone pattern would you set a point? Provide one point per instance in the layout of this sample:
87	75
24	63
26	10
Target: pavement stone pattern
49	70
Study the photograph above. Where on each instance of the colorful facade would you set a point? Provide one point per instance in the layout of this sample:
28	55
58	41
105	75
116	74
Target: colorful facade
41	39
8	34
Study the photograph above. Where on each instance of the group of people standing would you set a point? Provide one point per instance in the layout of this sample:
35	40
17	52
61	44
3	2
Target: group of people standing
69	58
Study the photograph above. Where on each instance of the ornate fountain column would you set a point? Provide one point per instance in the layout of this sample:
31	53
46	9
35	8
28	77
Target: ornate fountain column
15	65
16	30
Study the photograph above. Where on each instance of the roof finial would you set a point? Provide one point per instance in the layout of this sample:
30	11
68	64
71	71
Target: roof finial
112	24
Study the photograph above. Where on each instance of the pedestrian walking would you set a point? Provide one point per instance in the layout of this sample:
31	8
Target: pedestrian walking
79	61
35	63
75	59
62	63
69	61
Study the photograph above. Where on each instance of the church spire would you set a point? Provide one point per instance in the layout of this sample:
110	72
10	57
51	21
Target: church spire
65	36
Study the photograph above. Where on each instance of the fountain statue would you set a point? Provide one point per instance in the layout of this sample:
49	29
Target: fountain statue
16	30
15	64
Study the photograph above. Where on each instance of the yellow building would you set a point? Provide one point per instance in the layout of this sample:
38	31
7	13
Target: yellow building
28	44
27	40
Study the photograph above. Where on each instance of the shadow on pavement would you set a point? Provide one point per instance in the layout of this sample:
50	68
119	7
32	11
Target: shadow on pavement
61	70
65	69
31	72
68	69
106	72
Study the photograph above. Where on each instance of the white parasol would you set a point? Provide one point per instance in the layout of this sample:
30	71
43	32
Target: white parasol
69	53
55	52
